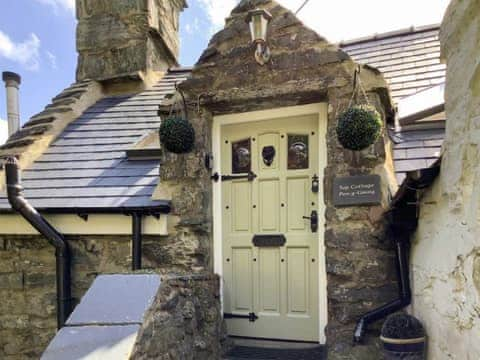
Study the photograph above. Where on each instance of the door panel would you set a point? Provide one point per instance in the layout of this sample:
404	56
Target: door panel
269	284
297	192
241	206
269	206
242	279
298	274
278	283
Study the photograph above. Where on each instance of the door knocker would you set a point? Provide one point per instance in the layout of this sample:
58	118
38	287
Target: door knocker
268	154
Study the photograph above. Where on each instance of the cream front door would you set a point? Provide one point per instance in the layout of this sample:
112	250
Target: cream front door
275	277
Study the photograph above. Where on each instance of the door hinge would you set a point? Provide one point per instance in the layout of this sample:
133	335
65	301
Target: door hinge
252	317
250	177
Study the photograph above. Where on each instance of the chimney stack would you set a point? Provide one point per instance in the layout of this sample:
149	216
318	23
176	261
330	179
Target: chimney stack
12	85
120	40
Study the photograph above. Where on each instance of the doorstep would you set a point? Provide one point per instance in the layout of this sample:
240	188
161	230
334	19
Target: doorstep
274	350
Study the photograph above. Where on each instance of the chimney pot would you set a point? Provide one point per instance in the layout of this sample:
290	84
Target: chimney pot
12	85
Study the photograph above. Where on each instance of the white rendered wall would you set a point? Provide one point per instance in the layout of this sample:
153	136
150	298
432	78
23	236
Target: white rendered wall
445	256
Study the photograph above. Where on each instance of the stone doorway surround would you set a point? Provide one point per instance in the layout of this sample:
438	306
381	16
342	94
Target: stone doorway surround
305	69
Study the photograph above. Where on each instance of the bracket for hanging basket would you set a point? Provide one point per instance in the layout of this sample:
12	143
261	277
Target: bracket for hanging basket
360	125
177	134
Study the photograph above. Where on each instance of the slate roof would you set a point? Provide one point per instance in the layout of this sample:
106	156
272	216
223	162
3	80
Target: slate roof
409	59
410	62
416	149
86	167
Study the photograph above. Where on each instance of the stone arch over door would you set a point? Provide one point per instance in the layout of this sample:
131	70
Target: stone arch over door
304	69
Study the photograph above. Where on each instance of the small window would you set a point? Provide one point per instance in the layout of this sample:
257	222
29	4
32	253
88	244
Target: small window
297	152
241	156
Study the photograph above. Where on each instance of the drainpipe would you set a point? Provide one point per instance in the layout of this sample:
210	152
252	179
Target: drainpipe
403	220
404	292
62	253
12	85
136	241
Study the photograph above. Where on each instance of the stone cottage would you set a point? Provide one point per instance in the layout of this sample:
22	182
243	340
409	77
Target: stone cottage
253	202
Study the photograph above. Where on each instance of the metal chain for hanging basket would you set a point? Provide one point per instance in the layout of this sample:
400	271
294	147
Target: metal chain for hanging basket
177	134
360	125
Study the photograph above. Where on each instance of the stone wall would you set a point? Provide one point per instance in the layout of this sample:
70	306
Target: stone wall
126	39
446	253
27	281
185	321
304	69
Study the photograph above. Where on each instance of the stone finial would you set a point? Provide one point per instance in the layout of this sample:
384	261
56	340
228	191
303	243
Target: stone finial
118	39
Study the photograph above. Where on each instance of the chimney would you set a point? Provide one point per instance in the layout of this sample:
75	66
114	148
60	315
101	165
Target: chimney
120	40
12	85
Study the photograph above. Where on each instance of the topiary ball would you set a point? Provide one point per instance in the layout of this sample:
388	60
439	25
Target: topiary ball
402	326
359	127
177	135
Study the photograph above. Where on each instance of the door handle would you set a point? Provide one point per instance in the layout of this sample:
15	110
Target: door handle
313	221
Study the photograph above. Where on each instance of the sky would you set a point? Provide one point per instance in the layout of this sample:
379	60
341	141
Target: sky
37	37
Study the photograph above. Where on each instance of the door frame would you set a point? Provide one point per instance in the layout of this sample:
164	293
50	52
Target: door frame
318	109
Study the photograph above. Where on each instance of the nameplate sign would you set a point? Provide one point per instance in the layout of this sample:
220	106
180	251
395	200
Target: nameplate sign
357	190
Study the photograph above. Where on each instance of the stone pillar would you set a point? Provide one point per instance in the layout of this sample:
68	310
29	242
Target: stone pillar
360	257
118	39
185	180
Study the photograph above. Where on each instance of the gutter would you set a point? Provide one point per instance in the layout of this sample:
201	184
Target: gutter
403	221
62	251
163	207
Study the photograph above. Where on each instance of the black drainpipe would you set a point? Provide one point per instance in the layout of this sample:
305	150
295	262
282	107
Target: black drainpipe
136	241
404	293
403	221
62	253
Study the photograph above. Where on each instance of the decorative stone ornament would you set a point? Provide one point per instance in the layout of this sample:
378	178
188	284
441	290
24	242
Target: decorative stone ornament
177	135
359	127
258	21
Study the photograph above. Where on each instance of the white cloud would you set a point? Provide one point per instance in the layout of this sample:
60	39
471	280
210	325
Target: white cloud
68	5
3	131
194	27
25	53
217	11
346	19
52	59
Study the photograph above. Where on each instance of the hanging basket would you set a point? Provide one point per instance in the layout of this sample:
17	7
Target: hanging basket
177	135
358	127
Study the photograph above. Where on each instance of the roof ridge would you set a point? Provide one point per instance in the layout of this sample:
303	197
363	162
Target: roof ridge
405	31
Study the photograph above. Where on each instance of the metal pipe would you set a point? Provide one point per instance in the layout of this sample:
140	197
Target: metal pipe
136	241
404	292
12	85
62	252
